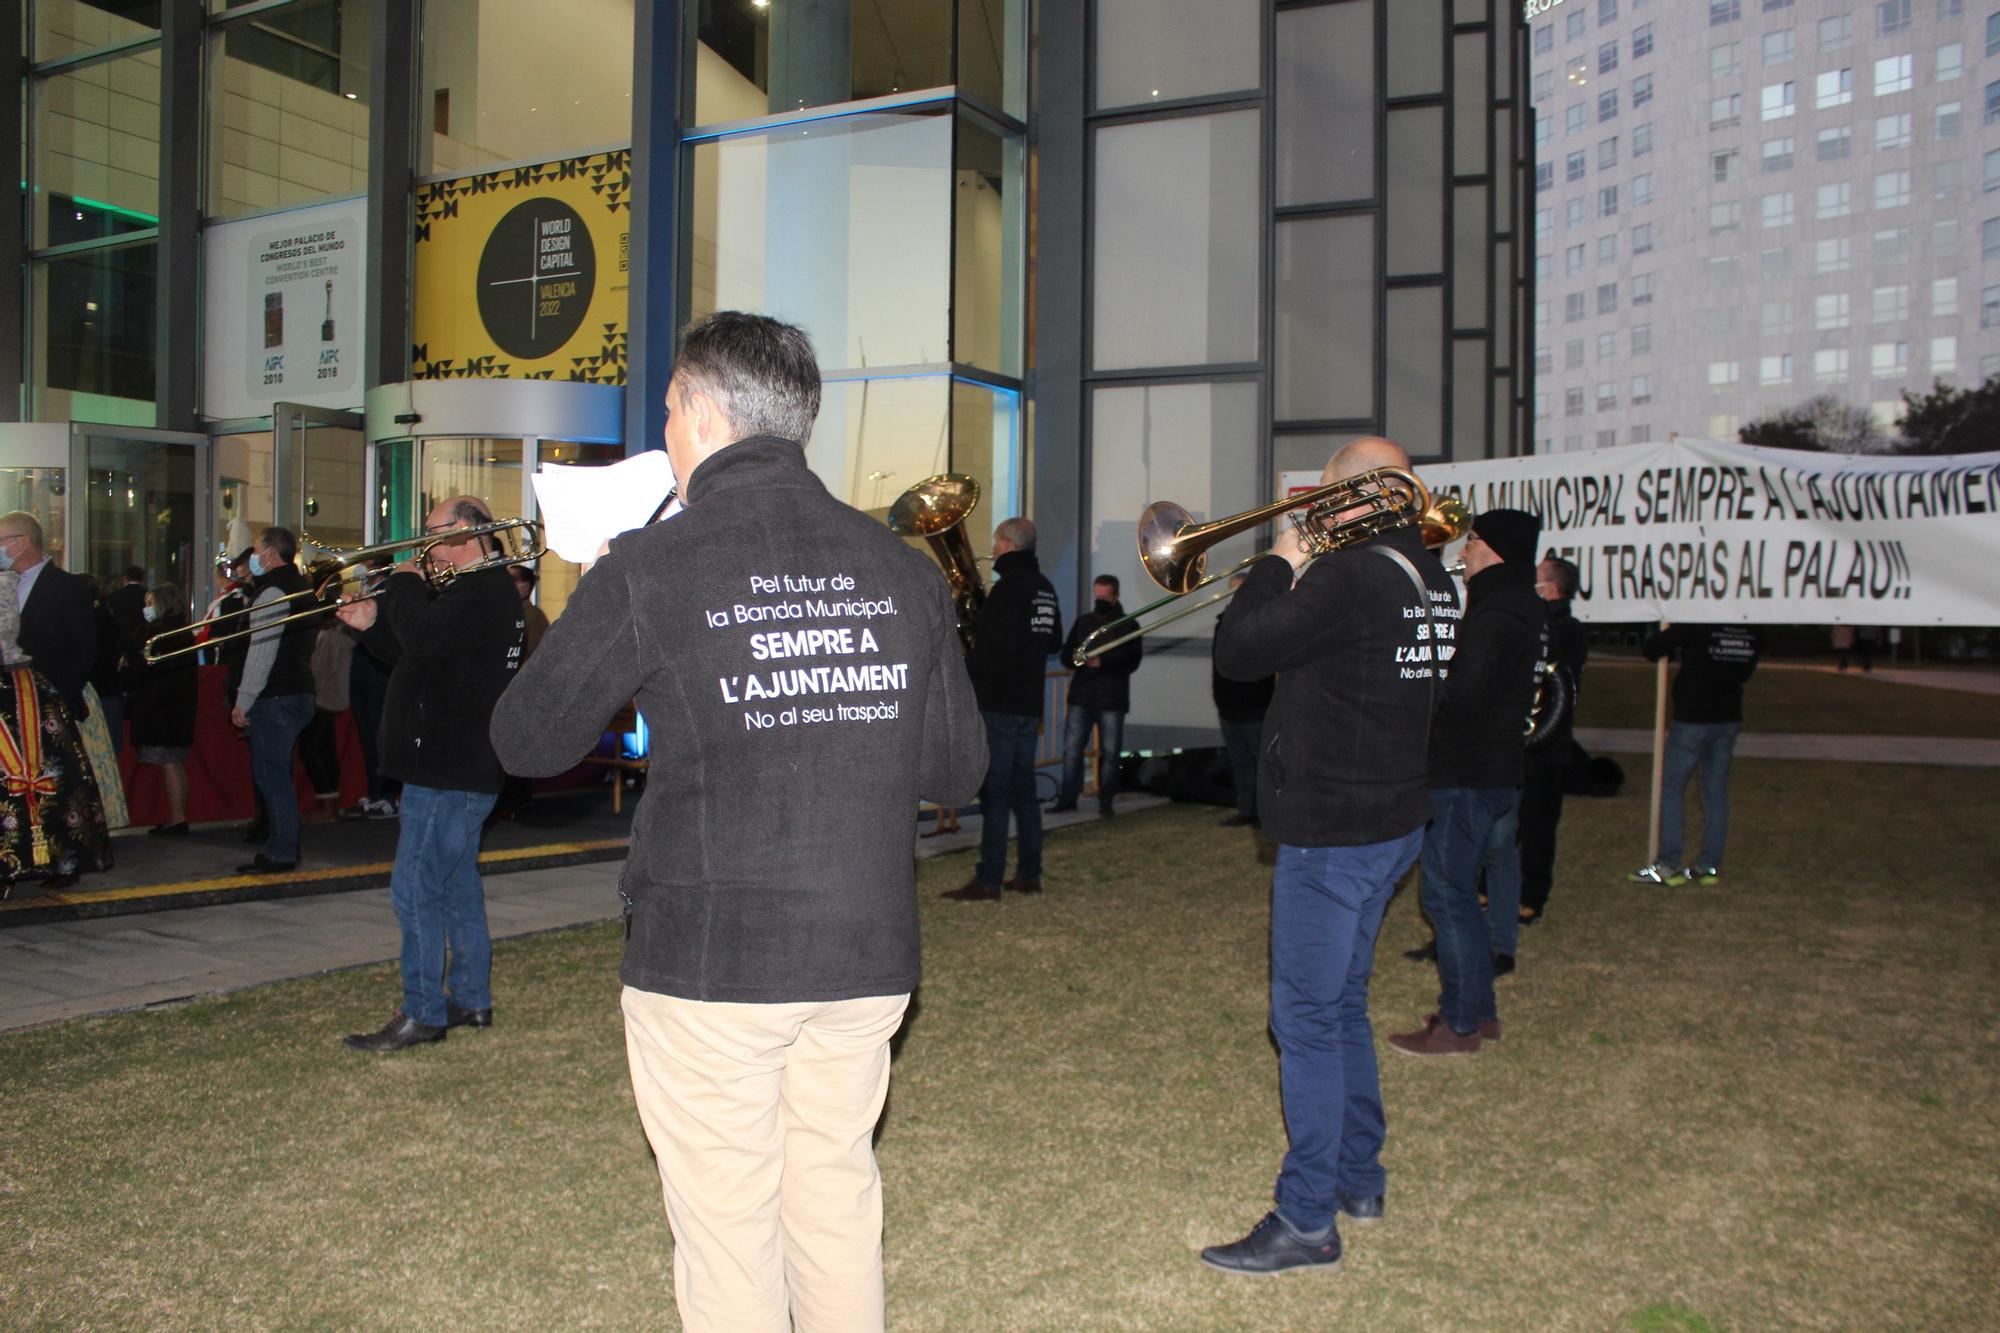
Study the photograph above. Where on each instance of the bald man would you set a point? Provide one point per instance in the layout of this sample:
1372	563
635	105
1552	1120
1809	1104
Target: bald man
1355	639
451	655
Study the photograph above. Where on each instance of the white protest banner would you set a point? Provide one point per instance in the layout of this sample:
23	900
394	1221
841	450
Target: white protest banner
1695	530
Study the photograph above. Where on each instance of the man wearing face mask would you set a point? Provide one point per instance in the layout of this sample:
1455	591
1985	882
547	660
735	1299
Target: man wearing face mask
1100	694
58	626
274	700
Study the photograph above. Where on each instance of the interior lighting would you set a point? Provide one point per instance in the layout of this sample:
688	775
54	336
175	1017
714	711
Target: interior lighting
760	4
352	97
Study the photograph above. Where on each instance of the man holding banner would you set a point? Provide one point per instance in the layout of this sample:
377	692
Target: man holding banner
1715	661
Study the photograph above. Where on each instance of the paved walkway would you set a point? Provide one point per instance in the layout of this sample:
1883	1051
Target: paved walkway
70	969
1948	751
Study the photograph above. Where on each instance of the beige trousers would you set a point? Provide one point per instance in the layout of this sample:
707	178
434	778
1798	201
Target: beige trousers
762	1117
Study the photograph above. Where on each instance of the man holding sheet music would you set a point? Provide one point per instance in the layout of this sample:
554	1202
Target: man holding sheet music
799	669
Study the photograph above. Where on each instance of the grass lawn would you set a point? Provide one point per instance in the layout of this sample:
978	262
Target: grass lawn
1618	692
1772	1106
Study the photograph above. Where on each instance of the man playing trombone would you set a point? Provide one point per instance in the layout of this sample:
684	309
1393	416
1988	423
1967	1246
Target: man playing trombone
1355	638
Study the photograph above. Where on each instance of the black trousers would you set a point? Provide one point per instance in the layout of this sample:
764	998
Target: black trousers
1541	811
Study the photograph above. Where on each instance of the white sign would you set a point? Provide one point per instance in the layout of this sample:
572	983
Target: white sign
1700	531
284	310
1534	9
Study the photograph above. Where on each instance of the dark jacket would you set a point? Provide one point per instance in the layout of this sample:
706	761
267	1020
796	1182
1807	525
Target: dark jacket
291	668
1715	661
163	693
1480	737
1569	649
799	669
1109	685
127	602
1019	626
1343	747
1238	700
59	631
451	655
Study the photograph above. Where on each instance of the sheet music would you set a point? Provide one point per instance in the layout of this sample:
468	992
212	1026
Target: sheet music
582	508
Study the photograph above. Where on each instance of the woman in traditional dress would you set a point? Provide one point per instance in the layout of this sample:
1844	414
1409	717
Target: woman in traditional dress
163	706
51	820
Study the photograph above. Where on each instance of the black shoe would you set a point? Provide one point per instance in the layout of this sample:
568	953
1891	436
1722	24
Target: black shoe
1273	1246
972	892
399	1034
1427	954
455	1017
264	865
1363	1212
1503	965
1024	886
1060	807
179	830
1238	820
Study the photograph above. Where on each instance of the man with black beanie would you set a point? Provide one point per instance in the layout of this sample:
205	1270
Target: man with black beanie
1476	767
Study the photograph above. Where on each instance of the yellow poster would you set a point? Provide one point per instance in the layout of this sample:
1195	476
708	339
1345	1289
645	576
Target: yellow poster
523	273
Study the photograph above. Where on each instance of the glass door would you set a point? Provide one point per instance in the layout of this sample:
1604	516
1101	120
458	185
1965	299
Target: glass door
322	465
556	576
34	478
142	492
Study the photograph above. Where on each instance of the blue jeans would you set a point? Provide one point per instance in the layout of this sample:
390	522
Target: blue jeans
1326	910
1009	789
1706	747
1453	847
1501	864
439	901
1076	738
1242	740
275	724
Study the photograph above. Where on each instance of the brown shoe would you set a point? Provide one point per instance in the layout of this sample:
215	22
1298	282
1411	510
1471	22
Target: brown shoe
972	892
1029	886
1489	1028
1435	1038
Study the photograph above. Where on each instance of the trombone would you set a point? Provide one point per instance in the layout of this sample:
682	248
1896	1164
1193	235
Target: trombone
515	541
1174	548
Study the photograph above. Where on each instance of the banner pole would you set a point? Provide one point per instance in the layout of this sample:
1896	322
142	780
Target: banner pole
1659	755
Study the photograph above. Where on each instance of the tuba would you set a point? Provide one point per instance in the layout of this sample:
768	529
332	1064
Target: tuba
936	509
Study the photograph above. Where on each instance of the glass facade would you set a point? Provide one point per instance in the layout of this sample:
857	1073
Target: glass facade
288	106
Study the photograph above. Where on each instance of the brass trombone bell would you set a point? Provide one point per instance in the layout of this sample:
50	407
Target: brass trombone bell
935	509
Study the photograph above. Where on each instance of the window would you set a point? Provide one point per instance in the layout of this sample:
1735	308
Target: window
1770	5
1573	354
1775	210
1989	308
1947	121
1992	102
1892	131
1642	339
1607	153
1642	190
1833	254
1607	57
1780	100
1642	390
1541	404
1833	201
1830	311
1778	46
1831	145
1892	189
1725	60
1641	435
1724	11
1573	260
1544	364
1572	402
1888	360
1545	83
1894	74
1607	396
1830	365
1545	176
1642	139
1545	39
1992	35
1575	24
1607	248
1723	374
1889	303
1893	246
1944	356
1573	167
1944	296
1607	297
1723	274
1775	369
1989	239
1545	223
1607	105
1990	179
1573	119
1892	17
1642	289
1642	40
1836	32
1573	213
1724	112
1607	346
1950	61
1642	90
1545	133
1722	165
1541	316
1833	88
1777	155
1725	217
1607	201
1774	319
1607	11
1775	263
1944	180
1573	307
1642	235
1950	9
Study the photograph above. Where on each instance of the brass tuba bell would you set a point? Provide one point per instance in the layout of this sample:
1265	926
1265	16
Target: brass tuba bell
936	509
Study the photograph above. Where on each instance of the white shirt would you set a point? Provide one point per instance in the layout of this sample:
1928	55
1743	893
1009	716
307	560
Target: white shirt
28	577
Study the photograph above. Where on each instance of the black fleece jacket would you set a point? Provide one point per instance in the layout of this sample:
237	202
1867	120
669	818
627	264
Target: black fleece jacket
1019	626
1569	648
799	668
1479	739
1343	742
451	654
1109	684
1716	661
